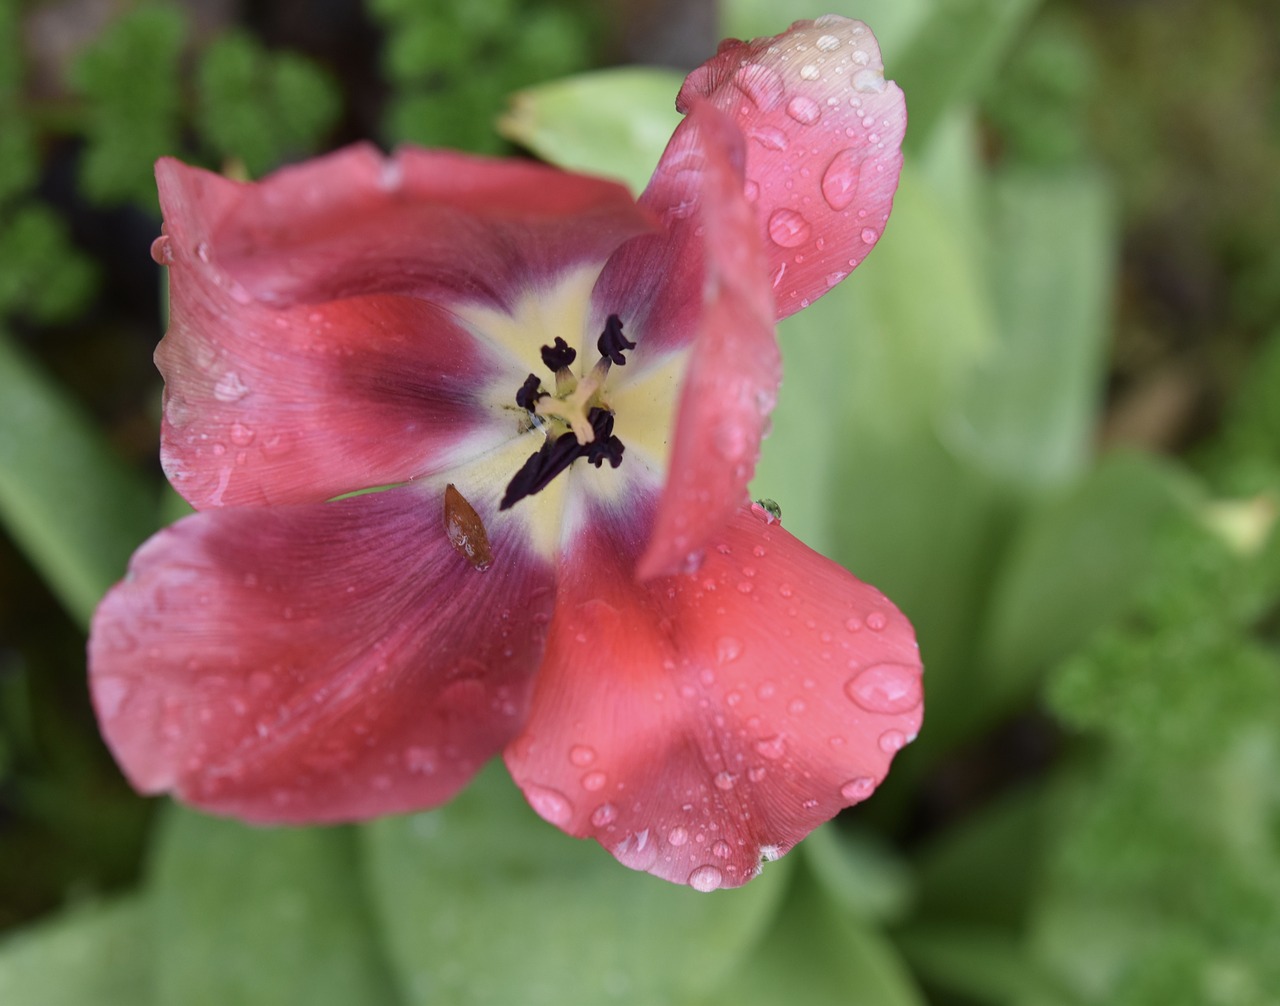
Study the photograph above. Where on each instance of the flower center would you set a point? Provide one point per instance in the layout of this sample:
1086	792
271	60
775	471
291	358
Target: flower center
576	418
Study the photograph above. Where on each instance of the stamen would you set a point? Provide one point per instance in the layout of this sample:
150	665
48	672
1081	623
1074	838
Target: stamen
612	342
559	356
555	456
529	393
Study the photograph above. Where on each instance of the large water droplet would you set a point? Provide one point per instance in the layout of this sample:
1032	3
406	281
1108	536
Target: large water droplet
677	836
840	181
770	137
804	110
788	228
162	250
230	388
858	789
885	688
762	84
551	805
809	72
706	879
870	235
605	814
827	43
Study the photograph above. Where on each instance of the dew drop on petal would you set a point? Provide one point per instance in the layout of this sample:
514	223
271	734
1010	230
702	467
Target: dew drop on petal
724	781
581	755
241	435
809	72
202	252
869	80
892	741
162	250
772	748
885	688
728	648
769	137
788	228
858	789
230	387
827	43
762	84
722	849
594	781
677	836
840	180
804	110
551	805
605	814
706	879
876	621
869	235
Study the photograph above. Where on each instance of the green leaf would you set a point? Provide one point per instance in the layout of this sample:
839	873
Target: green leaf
260	107
894	22
1074	564
248	916
1029	405
958	49
483	902
129	78
72	507
99	954
859	872
986	965
817	956
614	123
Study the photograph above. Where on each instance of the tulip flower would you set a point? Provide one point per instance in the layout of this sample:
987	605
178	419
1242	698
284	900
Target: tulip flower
469	443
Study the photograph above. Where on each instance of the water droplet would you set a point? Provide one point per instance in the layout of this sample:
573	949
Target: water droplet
858	789
728	648
594	781
840	180
724	781
885	688
786	590
706	879
677	836
769	137
788	228
162	250
581	755
551	805
876	621
756	773
827	43
420	759
202	252
722	849
762	84
860	57
241	435
869	235
606	813
869	80
853	623
804	110
230	388
892	741
751	190
772	748
809	72
796	707
758	551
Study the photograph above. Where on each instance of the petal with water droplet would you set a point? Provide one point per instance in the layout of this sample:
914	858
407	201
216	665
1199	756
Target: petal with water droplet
317	662
730	762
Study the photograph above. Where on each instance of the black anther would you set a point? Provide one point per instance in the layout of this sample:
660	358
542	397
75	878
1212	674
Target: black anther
559	356
612	342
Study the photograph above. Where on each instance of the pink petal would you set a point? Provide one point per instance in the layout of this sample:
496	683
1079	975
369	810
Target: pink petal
434	224
698	724
303	404
319	662
823	157
704	283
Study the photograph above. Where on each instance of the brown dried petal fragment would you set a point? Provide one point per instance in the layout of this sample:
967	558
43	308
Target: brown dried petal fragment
465	529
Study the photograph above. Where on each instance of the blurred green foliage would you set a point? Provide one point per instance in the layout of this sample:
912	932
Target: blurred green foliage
1087	186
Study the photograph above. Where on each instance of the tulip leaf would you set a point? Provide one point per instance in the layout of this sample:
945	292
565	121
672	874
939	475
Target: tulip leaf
816	955
484	880
577	124
99	953
1029	405
73	508
247	915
